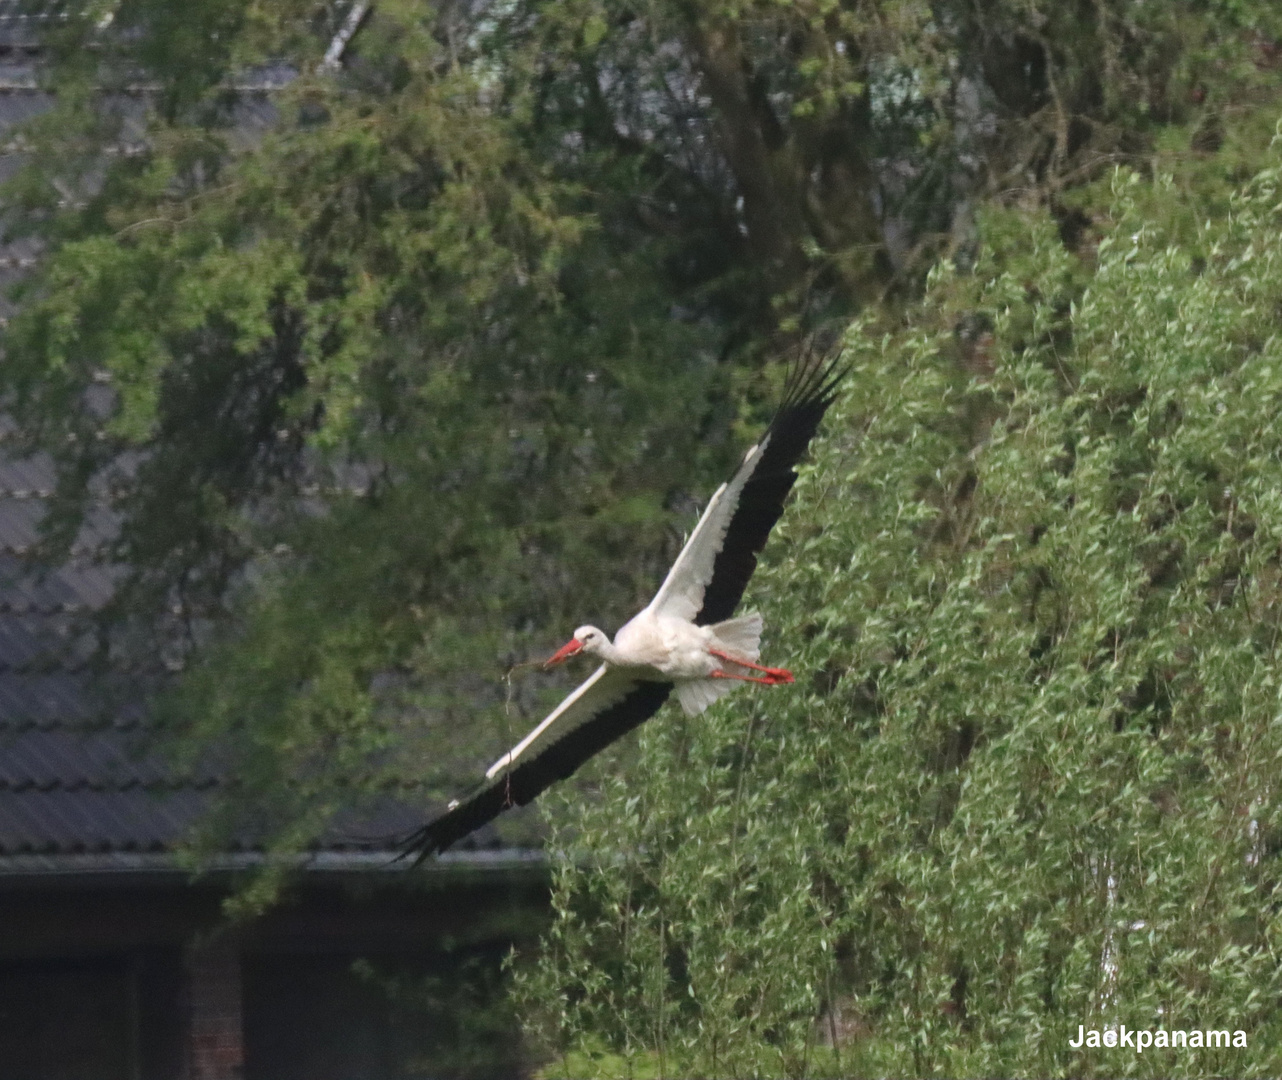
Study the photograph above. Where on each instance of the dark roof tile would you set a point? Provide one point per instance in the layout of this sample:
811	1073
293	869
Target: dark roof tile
58	699
22	22
70	821
39	642
26	478
102	760
19	519
81	585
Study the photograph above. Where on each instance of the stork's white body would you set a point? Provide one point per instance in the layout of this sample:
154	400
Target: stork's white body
664	647
662	643
699	660
703	662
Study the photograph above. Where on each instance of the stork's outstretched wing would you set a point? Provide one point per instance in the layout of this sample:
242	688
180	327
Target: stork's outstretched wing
604	708
707	581
704	586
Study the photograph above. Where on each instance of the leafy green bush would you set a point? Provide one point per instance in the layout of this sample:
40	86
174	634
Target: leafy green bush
1032	589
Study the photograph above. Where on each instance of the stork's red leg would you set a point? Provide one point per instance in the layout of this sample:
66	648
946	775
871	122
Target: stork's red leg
769	680
778	674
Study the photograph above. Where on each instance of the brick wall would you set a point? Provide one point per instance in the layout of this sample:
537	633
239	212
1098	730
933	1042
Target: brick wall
215	1041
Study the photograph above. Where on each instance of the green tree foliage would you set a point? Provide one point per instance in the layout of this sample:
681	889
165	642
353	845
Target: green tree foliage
849	135
1028	777
381	383
411	365
412	361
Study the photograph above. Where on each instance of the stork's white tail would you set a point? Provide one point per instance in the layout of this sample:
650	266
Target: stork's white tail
738	637
697	694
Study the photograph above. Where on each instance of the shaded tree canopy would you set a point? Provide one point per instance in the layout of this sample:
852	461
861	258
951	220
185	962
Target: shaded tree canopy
413	361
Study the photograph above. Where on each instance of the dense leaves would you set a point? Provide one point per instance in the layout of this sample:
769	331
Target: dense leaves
1030	782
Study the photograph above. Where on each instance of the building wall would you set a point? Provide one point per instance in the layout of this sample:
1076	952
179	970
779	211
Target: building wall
92	1018
147	983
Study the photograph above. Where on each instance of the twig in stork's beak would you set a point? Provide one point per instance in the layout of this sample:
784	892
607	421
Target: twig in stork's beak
570	648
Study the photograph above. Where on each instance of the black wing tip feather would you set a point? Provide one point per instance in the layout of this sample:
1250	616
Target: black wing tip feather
813	379
812	387
438	835
526	782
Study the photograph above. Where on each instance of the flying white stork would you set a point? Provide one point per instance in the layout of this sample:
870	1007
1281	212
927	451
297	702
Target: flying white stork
685	639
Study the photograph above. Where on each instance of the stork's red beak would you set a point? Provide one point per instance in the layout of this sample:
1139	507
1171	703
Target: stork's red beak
570	648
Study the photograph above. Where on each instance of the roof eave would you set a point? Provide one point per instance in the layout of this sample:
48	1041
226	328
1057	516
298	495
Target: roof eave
165	868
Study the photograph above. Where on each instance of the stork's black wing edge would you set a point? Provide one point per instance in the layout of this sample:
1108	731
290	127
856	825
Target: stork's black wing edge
812	387
558	761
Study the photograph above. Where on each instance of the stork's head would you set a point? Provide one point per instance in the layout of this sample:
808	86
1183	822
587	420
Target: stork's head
586	639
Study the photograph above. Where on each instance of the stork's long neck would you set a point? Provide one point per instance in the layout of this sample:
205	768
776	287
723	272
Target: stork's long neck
609	653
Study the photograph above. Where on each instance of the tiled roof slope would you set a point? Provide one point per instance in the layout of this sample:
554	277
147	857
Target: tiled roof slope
79	771
73	777
76	774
